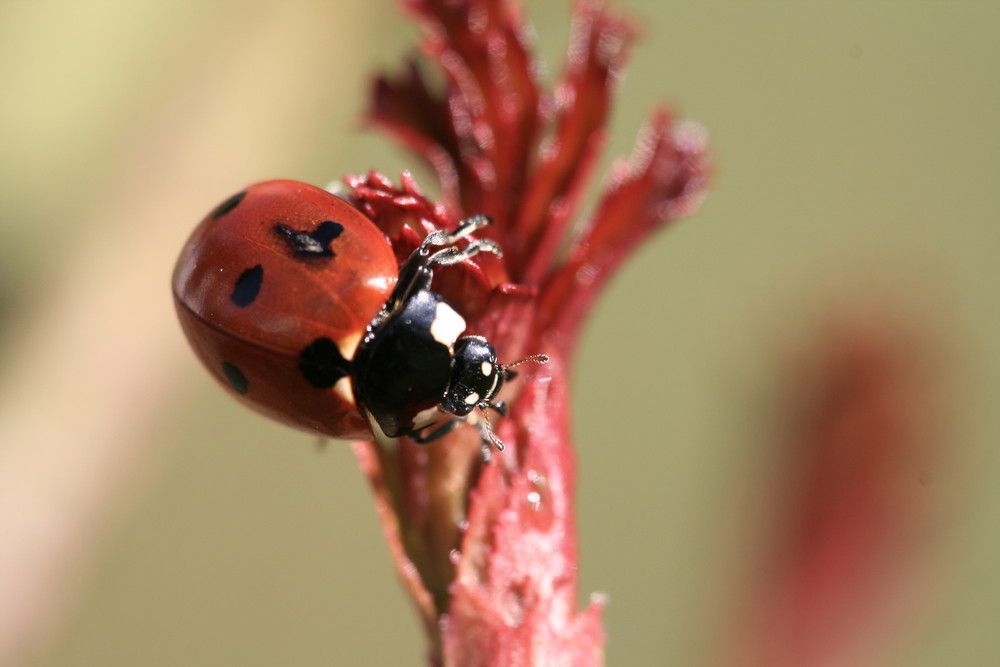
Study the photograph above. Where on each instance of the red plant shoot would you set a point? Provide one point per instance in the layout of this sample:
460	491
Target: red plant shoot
488	551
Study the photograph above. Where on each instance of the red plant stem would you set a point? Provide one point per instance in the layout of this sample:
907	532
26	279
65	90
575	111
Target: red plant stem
514	597
489	552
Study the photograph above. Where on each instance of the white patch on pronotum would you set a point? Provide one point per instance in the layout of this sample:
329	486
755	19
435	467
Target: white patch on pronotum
447	325
472	398
487	368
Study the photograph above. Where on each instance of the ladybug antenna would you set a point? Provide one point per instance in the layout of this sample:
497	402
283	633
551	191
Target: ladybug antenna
537	358
497	442
510	375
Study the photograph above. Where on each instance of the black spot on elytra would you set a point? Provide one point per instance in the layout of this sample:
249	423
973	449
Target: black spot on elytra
228	205
311	244
235	377
247	286
322	364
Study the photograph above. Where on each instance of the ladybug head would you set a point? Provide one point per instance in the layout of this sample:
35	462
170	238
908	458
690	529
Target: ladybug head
475	376
476	379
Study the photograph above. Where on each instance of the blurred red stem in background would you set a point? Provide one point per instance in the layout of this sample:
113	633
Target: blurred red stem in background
848	506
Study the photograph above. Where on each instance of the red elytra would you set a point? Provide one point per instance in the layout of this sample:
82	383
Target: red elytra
274	291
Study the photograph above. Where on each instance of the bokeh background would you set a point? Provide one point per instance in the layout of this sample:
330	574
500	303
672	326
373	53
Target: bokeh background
145	518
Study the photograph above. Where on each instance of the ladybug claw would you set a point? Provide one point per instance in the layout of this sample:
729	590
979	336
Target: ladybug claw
473	223
468	226
453	256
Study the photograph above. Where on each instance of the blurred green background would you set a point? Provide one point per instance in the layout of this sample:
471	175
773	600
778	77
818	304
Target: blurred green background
856	148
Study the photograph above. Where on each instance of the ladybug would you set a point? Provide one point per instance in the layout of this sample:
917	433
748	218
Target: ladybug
294	301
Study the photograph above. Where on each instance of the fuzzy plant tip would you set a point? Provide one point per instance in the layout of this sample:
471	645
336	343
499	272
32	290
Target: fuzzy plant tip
486	546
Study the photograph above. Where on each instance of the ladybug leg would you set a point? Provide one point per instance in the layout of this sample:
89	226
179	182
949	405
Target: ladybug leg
468	226
500	406
449	426
417	272
453	256
443	239
441	431
489	440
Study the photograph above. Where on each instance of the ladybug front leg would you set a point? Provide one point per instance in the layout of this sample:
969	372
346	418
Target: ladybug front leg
446	240
500	406
441	431
450	425
454	256
484	435
441	238
418	269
